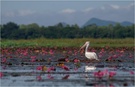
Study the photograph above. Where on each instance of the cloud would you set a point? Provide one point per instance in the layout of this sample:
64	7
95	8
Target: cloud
9	14
68	11
103	8
88	9
18	13
129	6
115	6
79	16
25	12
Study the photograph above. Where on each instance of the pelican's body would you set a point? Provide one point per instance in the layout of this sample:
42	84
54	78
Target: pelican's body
89	55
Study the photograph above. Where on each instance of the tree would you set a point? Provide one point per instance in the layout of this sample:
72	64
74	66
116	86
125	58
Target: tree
8	29
13	31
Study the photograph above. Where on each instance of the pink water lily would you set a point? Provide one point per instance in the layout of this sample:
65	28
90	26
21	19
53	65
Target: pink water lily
65	68
50	77
111	74
75	69
111	85
131	72
39	78
39	68
25	53
130	56
67	60
115	56
93	50
50	69
1	74
3	67
66	77
105	72
51	52
4	60
76	60
98	74
33	58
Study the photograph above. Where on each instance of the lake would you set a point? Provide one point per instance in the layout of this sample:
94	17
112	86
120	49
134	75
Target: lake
62	68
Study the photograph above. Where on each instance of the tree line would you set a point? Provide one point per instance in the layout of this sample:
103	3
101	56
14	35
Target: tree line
12	30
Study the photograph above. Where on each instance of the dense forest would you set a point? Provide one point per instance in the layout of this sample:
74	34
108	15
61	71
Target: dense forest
12	30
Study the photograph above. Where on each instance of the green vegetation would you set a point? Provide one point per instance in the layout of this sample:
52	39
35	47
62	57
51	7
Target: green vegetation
31	31
42	42
14	35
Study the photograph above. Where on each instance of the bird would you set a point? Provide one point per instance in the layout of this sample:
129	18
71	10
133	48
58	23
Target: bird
89	55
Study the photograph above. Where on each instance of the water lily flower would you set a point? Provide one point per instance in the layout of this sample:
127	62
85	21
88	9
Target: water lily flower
1	74
3	67
131	72
4	60
98	74
105	72
51	52
67	60
66	77
50	77
65	67
76	60
39	78
75	69
33	58
25	53
130	56
111	74
111	85
50	69
39	68
115	56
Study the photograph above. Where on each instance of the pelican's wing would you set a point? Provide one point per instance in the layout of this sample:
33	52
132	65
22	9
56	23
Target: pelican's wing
96	56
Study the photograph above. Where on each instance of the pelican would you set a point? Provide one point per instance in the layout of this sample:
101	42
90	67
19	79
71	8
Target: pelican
89	55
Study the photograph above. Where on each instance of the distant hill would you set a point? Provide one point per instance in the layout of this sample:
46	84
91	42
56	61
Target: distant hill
62	23
100	22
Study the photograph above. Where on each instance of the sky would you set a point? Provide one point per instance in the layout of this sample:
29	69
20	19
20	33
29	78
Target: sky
51	12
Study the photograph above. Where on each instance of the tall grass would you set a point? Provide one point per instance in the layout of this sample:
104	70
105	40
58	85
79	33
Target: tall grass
43	42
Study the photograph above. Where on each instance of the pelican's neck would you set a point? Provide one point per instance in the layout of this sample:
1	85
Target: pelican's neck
86	49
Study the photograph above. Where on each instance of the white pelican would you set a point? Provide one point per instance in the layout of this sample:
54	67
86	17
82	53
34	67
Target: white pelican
89	55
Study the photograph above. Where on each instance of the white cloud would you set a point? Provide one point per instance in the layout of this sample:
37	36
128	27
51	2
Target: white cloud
103	8
9	14
130	6
69	11
115	6
88	9
18	13
25	12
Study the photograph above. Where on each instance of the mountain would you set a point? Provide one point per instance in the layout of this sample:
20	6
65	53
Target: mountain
62	24
126	23
100	22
